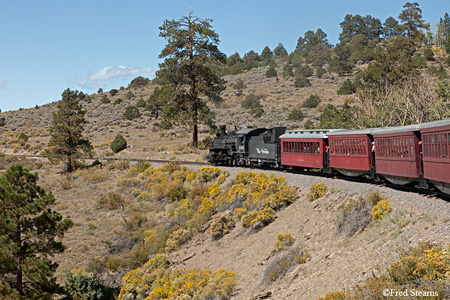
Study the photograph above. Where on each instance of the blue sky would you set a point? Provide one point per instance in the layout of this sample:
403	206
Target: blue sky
47	46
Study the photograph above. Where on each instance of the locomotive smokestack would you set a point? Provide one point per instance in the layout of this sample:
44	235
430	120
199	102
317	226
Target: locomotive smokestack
222	130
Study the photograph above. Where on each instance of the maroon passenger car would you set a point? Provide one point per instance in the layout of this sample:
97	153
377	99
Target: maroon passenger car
436	153
397	153
304	148
351	151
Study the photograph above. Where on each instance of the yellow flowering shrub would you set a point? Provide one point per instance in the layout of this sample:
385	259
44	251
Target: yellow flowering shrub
334	296
431	264
155	281
258	218
214	190
221	225
222	177
423	268
206	174
316	191
239	212
177	238
284	240
380	210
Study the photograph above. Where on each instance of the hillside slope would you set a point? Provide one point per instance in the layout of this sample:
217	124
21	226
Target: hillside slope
336	262
144	136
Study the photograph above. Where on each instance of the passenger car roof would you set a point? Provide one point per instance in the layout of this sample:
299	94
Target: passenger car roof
306	133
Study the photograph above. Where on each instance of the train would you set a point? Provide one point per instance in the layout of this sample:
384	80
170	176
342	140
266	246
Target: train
416	155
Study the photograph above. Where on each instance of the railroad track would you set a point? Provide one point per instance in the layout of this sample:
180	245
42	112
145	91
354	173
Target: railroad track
133	160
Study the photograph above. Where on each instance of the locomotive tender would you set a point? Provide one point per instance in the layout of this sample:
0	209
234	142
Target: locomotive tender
414	154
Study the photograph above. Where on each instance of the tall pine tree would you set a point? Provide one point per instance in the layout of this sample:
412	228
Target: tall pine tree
66	143
191	45
28	236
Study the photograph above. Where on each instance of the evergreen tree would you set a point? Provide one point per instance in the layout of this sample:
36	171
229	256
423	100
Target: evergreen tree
412	22
280	51
287	71
271	72
314	47
266	55
390	29
340	63
239	86
234	59
191	43
368	26
393	64
159	97
29	233
66	142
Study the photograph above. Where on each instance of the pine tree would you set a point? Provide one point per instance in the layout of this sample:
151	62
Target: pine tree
28	235
66	142
191	43
412	22
390	28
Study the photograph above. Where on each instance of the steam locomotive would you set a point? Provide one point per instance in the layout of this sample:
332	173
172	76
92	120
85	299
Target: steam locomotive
406	155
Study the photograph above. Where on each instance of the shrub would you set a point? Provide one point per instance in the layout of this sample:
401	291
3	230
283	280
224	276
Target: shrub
428	54
95	175
281	264
347	88
118	144
175	191
283	242
138	81
316	191
258	218
2	122
257	112
118	101
355	215
112	201
303	71
221	225
113	92
130	95
312	101
301	82
271	72
251	101
380	210
308	124
81	285
140	103
105	100
422	268
320	72
23	137
295	115
177	238
131	113
155	281
287	71
335	296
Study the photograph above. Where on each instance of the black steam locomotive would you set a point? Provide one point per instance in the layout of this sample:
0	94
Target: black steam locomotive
247	146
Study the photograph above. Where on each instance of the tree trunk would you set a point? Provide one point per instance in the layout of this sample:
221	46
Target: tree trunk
19	276
194	130
69	164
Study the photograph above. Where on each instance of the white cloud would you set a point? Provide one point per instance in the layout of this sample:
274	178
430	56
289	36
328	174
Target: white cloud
120	71
109	76
3	84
